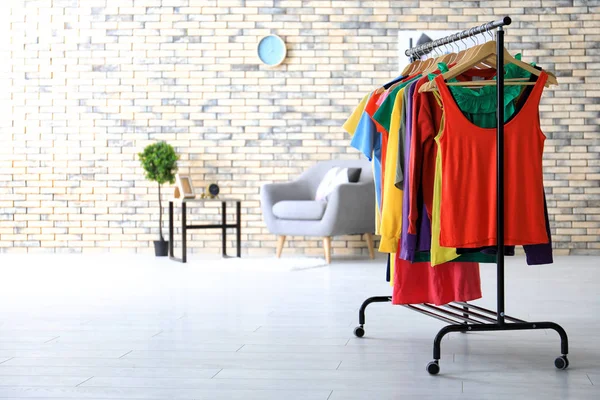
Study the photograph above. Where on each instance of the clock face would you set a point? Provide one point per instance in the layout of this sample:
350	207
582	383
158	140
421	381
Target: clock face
271	50
213	189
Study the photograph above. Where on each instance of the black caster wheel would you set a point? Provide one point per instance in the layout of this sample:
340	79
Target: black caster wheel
359	331
433	367
561	362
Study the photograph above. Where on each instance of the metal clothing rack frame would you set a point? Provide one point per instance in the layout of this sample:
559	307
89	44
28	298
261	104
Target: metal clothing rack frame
462	316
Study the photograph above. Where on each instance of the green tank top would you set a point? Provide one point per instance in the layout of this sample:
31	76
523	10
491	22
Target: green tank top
479	105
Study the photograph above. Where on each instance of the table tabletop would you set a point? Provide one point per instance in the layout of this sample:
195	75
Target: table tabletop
198	199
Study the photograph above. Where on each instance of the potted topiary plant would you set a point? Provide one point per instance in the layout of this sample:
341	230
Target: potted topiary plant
159	161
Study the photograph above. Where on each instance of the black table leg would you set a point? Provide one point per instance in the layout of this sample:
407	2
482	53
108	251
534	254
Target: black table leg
224	228
238	228
183	232
171	252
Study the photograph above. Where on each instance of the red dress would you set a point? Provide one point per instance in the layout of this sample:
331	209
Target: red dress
468	207
416	283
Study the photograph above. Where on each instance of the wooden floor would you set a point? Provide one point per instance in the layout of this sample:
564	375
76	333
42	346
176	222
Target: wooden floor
134	327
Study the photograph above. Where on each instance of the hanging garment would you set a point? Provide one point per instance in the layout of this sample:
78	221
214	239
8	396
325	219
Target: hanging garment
479	106
468	167
483	115
412	243
439	254
391	211
426	124
367	140
536	254
383	115
352	122
416	283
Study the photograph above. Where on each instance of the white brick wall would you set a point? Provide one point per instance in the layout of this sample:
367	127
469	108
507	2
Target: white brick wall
89	83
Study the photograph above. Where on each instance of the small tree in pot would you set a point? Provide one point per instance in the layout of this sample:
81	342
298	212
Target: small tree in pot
160	164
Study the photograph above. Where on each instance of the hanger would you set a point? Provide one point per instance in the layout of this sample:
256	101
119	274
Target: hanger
482	64
445	58
454	55
424	64
393	82
411	68
485	52
487	63
469	51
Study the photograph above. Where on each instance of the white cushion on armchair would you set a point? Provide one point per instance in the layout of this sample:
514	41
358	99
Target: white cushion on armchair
333	178
306	210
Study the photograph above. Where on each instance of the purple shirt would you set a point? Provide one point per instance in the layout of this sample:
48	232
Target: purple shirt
422	241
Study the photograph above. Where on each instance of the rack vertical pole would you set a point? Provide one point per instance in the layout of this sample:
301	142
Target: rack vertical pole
500	172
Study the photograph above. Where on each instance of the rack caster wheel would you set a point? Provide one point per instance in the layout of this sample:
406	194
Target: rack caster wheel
561	362
359	331
433	367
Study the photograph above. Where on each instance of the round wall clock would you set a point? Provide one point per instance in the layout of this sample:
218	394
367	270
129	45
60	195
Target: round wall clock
271	50
211	192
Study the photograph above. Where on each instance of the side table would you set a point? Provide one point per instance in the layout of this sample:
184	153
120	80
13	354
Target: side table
223	226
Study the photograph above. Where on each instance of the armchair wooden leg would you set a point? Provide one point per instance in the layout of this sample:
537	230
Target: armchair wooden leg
369	239
327	247
280	243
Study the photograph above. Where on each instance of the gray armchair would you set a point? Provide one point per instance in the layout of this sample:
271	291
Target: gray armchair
290	209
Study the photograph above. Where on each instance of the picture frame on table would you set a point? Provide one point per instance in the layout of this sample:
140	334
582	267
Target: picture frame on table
184	189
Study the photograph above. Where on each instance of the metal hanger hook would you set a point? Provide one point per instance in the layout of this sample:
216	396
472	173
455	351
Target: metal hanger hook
472	37
455	42
489	29
464	43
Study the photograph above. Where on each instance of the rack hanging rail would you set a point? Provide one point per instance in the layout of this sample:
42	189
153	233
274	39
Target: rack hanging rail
462	316
427	47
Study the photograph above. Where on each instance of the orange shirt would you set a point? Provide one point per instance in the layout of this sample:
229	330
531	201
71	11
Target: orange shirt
468	208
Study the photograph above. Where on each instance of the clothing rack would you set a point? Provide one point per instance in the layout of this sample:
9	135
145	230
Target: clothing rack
462	316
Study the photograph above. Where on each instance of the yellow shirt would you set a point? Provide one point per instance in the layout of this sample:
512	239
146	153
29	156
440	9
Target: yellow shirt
377	215
354	118
439	254
391	209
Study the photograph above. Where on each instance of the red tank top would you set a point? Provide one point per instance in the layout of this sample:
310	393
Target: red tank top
468	204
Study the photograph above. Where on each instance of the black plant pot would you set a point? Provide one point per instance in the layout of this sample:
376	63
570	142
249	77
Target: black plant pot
161	248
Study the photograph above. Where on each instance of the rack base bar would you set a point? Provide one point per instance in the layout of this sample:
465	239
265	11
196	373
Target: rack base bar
471	316
359	331
461	317
365	304
432	314
485	310
468	313
564	341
